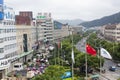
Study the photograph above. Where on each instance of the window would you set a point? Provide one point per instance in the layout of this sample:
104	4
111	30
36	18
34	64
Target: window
1	40
1	50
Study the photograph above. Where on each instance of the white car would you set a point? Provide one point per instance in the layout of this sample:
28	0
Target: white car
18	66
118	64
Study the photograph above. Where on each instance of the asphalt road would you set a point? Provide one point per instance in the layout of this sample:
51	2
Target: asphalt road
110	75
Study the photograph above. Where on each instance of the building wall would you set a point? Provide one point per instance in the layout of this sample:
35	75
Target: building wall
66	30
112	32
26	13
77	29
22	20
8	42
57	34
9	33
21	30
34	33
45	23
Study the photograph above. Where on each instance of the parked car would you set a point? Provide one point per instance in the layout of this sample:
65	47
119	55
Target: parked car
112	68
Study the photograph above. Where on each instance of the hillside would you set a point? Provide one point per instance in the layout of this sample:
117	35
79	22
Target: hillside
115	18
74	22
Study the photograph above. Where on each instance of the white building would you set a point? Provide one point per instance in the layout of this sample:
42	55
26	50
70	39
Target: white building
112	32
45	26
8	43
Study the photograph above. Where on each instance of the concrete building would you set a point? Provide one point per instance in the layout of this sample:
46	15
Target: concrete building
112	32
66	30
61	31
57	31
8	42
26	13
26	32
77	29
45	27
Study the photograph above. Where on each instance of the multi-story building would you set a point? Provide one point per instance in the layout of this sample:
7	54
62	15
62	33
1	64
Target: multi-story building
66	30
26	13
45	27
112	32
57	30
8	42
77	29
25	35
61	31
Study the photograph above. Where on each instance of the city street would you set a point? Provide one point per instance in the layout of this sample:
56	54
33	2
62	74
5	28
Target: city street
108	75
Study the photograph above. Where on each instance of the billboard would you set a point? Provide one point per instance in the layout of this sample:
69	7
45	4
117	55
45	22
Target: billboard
57	25
1	15
1	10
1	1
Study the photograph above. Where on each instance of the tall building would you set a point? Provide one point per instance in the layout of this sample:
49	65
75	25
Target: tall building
66	30
8	42
45	26
25	35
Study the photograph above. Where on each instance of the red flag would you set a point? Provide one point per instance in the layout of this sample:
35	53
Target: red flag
90	50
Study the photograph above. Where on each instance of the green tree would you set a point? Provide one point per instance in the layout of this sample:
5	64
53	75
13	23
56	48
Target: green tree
53	72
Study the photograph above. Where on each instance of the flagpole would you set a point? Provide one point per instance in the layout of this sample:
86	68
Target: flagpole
100	58
61	53
86	61
72	60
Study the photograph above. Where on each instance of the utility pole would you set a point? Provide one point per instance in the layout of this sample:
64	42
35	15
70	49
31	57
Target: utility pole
72	60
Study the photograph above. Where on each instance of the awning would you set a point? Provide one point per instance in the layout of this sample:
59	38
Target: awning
25	53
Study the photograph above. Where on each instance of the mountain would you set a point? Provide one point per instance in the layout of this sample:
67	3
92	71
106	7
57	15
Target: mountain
74	22
112	19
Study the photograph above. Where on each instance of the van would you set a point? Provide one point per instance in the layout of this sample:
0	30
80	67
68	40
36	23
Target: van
18	66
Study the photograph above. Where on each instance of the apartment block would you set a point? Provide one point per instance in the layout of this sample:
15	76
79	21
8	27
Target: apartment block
112	32
45	27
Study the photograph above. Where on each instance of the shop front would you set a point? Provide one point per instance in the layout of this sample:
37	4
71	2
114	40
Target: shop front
4	67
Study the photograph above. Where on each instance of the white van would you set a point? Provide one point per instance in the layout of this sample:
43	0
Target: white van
18	66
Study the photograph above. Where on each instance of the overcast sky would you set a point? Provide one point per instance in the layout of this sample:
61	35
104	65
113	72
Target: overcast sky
68	9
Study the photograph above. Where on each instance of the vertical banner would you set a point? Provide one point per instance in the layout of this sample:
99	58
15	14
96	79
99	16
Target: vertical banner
1	10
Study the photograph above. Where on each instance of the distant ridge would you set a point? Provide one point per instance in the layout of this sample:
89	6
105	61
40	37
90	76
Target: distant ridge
115	18
74	22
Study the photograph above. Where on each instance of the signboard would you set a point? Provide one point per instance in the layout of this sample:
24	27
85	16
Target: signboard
1	1
1	15
1	10
4	63
41	17
9	13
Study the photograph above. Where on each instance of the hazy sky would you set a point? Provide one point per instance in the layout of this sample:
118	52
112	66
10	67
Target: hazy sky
68	9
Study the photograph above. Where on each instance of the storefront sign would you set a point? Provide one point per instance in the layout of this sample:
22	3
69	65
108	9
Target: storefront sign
4	63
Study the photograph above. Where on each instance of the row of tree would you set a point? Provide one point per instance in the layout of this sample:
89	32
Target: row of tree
60	61
63	56
112	47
